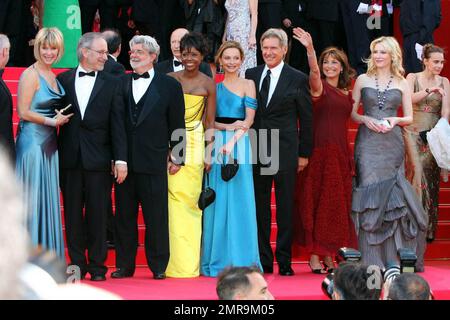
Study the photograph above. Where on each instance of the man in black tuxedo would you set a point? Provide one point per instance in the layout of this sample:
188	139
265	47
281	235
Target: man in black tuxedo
283	103
108	10
418	20
174	64
269	16
155	126
6	104
87	146
114	42
294	15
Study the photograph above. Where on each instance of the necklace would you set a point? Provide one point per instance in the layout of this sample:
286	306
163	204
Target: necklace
381	96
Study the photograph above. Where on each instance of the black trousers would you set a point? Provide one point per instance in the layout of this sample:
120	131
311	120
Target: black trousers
284	193
269	16
151	191
86	195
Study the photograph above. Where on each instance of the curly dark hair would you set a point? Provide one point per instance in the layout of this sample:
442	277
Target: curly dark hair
194	40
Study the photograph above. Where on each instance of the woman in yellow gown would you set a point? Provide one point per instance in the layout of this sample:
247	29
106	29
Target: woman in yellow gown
185	217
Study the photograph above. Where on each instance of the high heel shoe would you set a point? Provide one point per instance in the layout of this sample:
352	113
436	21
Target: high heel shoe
327	267
317	271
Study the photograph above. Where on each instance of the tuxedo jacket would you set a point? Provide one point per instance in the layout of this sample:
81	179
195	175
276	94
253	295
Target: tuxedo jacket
290	11
113	67
166	66
6	126
327	10
150	138
100	136
289	106
420	16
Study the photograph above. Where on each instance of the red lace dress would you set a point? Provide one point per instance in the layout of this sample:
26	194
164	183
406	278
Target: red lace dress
322	221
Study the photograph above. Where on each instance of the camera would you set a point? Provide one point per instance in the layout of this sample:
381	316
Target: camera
344	255
407	259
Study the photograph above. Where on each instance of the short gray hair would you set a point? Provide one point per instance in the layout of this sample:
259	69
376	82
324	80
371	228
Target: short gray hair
148	43
4	41
280	34
86	41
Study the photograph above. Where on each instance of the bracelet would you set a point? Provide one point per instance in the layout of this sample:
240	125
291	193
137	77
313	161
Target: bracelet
311	55
51	122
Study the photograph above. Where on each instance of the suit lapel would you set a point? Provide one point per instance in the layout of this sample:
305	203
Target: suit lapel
7	92
71	89
151	98
98	85
280	89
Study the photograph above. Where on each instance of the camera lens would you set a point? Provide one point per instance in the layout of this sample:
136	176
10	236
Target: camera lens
391	272
328	286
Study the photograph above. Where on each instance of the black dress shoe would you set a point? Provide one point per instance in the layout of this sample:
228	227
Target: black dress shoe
110	244
98	277
285	271
122	273
159	276
267	269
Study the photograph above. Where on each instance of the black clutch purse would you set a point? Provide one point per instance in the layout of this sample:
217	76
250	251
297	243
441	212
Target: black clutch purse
207	196
229	168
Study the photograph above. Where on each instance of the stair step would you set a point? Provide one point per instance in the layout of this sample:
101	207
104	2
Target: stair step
443	230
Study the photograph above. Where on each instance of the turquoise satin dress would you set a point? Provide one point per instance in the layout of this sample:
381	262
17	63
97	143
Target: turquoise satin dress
229	224
37	169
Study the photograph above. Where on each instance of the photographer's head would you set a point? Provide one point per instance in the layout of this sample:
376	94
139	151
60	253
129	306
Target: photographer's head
242	283
409	286
351	282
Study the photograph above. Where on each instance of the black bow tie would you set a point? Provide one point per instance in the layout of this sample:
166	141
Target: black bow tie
136	76
90	74
177	63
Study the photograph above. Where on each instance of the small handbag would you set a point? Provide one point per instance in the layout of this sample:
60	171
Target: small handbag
229	168
207	196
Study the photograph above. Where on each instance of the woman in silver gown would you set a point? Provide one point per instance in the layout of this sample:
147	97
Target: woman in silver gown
386	211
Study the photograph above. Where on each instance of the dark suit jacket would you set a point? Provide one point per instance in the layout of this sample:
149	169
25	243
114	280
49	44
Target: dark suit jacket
166	66
163	113
420	16
327	10
113	67
290	103
290	11
100	137
145	10
6	126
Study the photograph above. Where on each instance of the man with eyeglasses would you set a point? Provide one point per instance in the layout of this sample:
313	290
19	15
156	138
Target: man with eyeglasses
93	144
155	130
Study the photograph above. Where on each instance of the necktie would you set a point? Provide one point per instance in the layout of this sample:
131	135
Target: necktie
1	72
136	76
264	92
176	63
90	74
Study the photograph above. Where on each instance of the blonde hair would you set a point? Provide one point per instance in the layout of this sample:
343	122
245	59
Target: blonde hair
393	48
229	45
51	37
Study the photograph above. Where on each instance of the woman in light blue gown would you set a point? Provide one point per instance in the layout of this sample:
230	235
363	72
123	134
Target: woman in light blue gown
229	223
39	96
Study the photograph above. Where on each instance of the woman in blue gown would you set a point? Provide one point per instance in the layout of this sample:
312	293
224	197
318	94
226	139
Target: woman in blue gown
39	96
229	223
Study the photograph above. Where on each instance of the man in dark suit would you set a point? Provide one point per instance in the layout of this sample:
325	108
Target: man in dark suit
269	16
114	42
108	10
174	64
6	104
294	15
283	103
155	126
87	146
418	20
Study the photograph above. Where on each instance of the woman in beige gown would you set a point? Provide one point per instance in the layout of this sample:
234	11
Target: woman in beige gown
430	99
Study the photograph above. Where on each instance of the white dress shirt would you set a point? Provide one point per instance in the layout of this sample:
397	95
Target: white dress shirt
274	76
115	59
140	85
83	89
177	68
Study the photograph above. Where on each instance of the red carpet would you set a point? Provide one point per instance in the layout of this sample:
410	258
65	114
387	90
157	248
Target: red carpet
303	286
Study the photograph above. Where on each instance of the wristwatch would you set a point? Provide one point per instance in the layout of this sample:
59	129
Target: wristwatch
427	90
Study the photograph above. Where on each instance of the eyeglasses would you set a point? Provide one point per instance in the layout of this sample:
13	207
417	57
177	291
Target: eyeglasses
99	51
138	52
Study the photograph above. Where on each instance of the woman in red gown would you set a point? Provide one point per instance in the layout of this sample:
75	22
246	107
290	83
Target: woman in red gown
322	222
